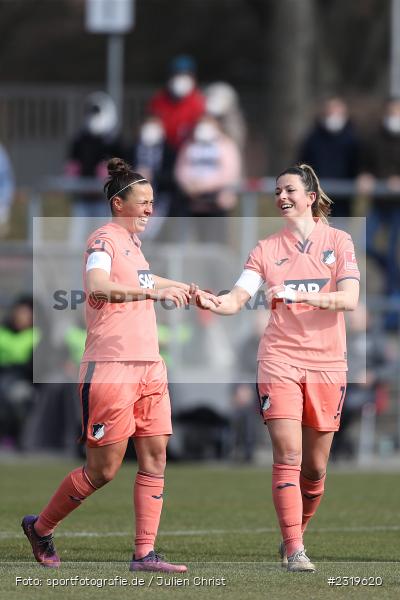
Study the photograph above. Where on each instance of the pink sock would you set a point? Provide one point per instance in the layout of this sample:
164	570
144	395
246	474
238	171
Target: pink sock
286	495
312	492
72	491
148	501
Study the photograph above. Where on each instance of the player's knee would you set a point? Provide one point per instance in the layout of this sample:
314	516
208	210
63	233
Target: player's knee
156	462
104	475
289	457
313	472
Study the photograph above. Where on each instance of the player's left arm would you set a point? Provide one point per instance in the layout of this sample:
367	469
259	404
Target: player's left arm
192	289
163	282
345	298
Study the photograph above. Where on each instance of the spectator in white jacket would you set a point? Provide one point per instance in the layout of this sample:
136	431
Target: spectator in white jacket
208	170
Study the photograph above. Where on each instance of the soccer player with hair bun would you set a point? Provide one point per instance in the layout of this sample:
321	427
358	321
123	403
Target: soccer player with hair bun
123	380
312	277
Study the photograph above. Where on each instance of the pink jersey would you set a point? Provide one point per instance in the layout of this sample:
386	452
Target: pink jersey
124	331
299	334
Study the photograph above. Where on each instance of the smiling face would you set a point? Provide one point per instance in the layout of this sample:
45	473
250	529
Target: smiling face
134	211
292	199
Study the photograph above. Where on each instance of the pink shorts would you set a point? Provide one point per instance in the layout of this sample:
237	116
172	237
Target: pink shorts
313	397
123	399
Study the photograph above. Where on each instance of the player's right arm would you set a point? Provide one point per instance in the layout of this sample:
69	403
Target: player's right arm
99	287
231	303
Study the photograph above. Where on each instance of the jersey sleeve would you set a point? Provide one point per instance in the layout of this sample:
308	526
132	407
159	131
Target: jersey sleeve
347	267
255	261
100	242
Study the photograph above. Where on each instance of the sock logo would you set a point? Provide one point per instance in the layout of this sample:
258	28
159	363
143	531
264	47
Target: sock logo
98	430
311	496
76	499
285	485
158	497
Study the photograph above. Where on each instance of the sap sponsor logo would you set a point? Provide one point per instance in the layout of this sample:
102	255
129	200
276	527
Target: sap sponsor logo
306	285
146	280
328	257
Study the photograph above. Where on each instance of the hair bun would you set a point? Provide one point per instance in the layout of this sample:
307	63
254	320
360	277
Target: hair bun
118	167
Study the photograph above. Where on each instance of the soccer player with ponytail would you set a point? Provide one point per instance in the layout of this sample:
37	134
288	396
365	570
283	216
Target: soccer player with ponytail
123	380
312	276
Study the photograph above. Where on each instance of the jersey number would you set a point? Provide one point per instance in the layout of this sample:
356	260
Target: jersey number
339	408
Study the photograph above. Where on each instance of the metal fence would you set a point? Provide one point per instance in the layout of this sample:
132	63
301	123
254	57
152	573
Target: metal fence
377	432
37	123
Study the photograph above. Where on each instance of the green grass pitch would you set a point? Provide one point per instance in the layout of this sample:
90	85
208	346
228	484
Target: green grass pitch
220	521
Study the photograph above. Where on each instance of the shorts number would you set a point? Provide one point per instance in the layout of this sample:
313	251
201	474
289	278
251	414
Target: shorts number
339	408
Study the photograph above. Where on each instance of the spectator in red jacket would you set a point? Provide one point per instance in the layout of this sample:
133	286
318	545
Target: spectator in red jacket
180	103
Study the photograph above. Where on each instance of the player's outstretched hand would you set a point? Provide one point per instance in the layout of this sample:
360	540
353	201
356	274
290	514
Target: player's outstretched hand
193	289
280	293
207	300
179	296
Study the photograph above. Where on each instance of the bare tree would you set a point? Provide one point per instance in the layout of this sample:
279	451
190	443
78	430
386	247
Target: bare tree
289	58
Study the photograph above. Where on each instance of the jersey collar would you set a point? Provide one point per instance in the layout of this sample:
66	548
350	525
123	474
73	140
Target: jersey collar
132	237
314	233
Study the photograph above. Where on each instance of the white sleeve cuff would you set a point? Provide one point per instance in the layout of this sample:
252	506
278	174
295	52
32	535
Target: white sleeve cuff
250	281
99	260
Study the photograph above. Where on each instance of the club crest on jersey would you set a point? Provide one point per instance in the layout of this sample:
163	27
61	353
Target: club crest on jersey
265	402
306	285
146	280
98	430
328	257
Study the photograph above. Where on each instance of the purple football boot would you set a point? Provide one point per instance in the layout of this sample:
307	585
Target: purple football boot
42	547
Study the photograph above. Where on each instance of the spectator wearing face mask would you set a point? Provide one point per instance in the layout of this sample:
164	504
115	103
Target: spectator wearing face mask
332	149
154	158
96	142
222	102
381	160
208	169
180	103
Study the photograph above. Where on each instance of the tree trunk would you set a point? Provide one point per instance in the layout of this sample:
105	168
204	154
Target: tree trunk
289	60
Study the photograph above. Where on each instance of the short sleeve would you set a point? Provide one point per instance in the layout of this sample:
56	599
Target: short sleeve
255	261
347	267
101	242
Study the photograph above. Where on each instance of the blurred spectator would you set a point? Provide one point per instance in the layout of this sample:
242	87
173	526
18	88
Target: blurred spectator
73	347
18	338
381	160
332	149
208	169
222	102
371	366
180	103
55	419
7	190
152	157
94	144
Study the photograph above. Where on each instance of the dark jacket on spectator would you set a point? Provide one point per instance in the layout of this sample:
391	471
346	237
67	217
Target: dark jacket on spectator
333	155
